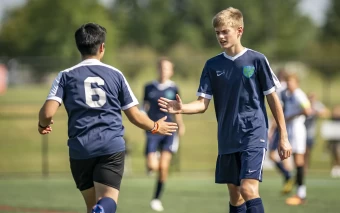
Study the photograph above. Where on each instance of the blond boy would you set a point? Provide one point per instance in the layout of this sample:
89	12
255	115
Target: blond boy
239	79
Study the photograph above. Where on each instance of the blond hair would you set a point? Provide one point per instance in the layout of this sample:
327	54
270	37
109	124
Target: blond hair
230	16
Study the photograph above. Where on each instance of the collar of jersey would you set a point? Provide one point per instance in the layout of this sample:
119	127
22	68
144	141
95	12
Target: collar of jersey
236	56
164	85
90	61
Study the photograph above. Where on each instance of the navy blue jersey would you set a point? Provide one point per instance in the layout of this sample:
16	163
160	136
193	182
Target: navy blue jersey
239	85
153	91
94	95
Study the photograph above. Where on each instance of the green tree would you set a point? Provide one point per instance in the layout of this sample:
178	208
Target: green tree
274	27
46	28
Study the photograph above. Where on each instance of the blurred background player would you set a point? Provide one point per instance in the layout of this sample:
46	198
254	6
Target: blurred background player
330	132
296	108
273	137
94	94
318	110
159	149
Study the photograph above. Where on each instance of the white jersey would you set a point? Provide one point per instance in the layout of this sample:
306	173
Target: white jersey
293	105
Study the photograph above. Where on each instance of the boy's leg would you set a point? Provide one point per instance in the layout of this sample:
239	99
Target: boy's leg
237	203
152	145
299	149
107	177
251	174
164	164
228	172
82	171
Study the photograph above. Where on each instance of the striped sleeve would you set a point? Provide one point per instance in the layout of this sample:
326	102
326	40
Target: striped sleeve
268	81
57	89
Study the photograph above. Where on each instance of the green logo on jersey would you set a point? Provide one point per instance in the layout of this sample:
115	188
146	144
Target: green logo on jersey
248	71
169	94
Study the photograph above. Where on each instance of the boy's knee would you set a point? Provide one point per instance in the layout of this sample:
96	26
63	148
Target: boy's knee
249	190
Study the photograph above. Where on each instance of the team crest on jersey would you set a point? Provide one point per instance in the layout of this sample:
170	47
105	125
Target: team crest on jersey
170	94
248	71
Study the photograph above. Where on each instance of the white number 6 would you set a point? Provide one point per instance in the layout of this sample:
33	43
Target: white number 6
89	92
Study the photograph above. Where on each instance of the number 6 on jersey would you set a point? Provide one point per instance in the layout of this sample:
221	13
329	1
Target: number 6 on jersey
90	92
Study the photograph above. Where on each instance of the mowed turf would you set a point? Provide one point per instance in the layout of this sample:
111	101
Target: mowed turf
184	194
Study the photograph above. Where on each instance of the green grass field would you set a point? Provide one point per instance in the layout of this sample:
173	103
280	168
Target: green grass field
194	193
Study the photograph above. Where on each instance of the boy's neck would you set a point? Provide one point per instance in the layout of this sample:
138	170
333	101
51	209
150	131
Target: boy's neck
85	57
234	50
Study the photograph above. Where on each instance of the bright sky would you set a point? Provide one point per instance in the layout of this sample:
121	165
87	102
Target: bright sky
314	8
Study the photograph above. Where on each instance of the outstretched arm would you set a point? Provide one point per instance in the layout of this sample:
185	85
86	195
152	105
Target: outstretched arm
284	147
142	121
177	107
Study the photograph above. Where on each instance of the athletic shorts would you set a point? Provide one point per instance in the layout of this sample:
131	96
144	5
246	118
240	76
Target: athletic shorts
107	170
232	168
155	142
297	136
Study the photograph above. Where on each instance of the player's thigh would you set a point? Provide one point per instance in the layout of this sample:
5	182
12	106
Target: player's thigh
82	170
165	160
153	142
108	175
228	167
170	143
252	163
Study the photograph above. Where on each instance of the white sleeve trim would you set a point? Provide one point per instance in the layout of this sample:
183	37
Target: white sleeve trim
133	103
277	83
204	95
271	90
55	98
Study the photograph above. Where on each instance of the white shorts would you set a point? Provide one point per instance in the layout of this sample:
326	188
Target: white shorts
297	135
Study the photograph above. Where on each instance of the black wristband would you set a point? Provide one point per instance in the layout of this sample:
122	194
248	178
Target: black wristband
154	126
43	127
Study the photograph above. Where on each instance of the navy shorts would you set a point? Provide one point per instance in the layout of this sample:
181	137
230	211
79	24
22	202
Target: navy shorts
155	142
232	168
274	143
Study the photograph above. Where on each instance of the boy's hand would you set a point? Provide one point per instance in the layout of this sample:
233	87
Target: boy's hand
170	106
166	128
284	149
46	130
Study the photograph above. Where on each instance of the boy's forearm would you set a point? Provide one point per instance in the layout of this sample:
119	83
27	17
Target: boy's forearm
276	109
195	107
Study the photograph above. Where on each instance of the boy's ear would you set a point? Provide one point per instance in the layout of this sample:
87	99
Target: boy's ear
240	30
102	47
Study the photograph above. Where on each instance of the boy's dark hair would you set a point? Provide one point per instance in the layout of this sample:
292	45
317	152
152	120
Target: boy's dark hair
89	37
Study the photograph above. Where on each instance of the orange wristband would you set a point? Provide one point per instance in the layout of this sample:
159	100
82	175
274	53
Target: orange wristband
155	129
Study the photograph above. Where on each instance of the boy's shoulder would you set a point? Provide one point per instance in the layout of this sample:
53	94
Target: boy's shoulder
255	54
215	59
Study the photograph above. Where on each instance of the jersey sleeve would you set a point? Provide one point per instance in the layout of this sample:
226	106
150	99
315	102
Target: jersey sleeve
268	80
205	89
126	97
57	89
302	100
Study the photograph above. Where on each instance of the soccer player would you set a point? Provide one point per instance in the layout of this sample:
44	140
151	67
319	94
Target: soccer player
94	95
239	79
296	108
167	145
282	166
